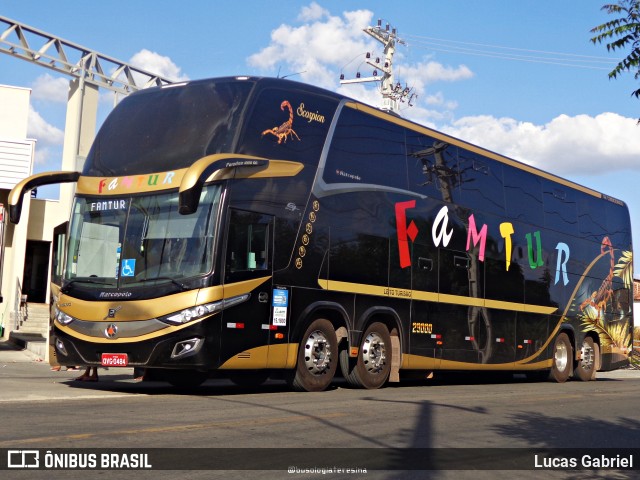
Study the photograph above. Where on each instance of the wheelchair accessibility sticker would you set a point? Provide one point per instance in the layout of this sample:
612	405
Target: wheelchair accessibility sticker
128	267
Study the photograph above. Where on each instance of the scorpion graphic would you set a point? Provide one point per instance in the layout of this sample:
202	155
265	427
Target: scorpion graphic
286	129
599	299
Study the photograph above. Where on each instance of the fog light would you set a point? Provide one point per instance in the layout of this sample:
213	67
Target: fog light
60	347
186	348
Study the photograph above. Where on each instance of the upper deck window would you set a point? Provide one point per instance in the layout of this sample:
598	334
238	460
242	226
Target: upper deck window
167	128
367	150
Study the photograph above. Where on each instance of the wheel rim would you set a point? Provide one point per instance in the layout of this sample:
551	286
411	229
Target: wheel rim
317	353
588	356
561	357
374	354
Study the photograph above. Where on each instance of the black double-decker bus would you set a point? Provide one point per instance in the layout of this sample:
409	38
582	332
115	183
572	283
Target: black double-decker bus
253	227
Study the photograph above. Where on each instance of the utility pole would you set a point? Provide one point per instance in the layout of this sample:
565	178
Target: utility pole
392	93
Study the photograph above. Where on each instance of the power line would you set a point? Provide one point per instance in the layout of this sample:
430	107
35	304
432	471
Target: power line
494	51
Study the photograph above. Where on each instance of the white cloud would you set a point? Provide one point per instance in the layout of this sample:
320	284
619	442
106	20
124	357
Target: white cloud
48	152
312	12
48	158
43	132
565	145
50	89
157	64
323	46
316	48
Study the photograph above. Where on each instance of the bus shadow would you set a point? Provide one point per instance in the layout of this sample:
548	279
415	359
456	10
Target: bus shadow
120	383
212	387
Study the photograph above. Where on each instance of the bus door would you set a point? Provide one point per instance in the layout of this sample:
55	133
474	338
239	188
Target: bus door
248	270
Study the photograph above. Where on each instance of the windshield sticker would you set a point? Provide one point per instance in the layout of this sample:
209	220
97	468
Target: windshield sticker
128	267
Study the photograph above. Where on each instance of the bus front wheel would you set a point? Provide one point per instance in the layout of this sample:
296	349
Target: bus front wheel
317	357
562	359
372	367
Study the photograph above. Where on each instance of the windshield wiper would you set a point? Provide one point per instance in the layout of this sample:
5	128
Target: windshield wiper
65	288
172	280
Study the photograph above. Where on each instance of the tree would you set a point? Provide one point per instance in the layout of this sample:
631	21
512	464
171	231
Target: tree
626	30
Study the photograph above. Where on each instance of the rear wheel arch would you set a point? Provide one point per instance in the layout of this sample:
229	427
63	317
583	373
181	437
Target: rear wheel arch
334	312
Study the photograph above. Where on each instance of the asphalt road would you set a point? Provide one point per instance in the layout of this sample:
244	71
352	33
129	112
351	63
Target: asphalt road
41	409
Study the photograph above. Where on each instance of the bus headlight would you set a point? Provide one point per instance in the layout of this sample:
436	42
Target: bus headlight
61	317
194	313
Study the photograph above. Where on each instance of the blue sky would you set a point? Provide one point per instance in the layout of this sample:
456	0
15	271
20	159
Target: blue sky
520	77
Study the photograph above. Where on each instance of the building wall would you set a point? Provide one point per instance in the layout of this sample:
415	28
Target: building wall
38	216
14	111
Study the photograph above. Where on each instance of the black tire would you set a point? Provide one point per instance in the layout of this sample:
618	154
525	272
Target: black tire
185	378
372	367
587	365
249	379
562	357
317	358
596	354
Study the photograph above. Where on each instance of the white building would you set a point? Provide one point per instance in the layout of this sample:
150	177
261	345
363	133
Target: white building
26	253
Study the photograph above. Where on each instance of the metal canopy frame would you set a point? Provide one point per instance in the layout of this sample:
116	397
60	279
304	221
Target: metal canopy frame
35	46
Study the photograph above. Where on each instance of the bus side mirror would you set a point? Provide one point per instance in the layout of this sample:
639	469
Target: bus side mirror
201	170
16	196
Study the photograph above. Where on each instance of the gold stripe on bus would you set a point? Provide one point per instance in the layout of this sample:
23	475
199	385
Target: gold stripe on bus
283	355
158	333
128	310
348	287
420	362
460	143
276	168
128	184
136	310
159	181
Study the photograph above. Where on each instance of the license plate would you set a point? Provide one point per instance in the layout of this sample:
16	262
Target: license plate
115	359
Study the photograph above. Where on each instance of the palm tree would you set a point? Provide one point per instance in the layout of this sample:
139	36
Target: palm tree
626	30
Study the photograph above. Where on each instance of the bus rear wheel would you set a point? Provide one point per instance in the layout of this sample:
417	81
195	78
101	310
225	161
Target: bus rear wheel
587	365
372	367
562	359
317	357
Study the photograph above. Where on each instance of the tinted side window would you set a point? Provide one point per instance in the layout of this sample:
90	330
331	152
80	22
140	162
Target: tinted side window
560	207
481	183
433	167
523	196
618	225
592	221
359	258
366	150
248	245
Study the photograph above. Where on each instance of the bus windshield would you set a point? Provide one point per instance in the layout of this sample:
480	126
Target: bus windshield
124	242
